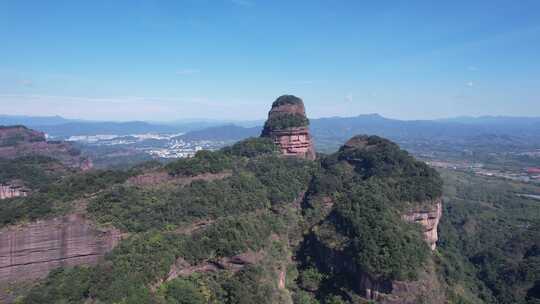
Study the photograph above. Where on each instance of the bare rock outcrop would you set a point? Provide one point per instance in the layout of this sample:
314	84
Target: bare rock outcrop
287	125
17	141
11	191
426	289
181	268
30	251
429	217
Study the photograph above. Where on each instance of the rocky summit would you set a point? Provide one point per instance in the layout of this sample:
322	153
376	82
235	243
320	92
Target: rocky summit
243	224
287	125
19	141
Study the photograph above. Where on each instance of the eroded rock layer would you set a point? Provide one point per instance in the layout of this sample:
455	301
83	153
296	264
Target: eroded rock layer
18	141
11	191
287	125
429	218
30	251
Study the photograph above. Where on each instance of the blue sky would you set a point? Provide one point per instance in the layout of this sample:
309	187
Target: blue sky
229	59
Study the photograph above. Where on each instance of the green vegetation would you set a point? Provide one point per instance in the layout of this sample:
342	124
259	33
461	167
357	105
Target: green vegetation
350	215
381	243
381	158
285	121
32	171
17	134
287	99
144	258
54	187
254	184
489	240
354	203
252	147
203	162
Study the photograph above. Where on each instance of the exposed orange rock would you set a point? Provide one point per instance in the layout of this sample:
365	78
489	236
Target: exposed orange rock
17	141
181	268
10	191
294	140
429	218
30	251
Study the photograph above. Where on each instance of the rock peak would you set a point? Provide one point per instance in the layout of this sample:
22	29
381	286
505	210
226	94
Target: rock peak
18	141
367	142
288	126
287	99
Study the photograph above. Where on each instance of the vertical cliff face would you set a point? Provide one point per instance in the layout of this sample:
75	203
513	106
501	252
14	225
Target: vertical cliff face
429	218
30	251
287	125
360	204
10	191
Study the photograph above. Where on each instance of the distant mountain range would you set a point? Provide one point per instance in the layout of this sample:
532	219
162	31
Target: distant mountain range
32	121
57	126
326	131
225	133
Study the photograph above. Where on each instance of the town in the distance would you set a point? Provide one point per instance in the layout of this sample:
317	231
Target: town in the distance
505	147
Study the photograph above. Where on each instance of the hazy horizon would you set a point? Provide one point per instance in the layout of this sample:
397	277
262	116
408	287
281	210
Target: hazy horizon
229	59
254	122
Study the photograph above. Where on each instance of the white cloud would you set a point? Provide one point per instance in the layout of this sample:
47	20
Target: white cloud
349	97
472	68
470	84
187	72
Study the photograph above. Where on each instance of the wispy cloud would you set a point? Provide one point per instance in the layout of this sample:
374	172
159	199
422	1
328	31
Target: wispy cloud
243	2
472	68
470	84
349	97
187	72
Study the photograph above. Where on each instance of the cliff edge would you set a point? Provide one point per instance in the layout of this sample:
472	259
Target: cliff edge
287	125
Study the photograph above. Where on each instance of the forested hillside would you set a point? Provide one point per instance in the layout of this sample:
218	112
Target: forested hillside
247	225
490	240
243	224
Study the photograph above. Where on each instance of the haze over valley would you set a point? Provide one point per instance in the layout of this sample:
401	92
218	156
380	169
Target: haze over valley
269	152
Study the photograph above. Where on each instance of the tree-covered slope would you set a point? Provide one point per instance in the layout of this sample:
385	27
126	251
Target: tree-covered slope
246	225
490	240
358	243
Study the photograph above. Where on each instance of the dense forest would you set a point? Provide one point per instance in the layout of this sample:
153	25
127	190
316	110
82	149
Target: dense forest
245	225
490	240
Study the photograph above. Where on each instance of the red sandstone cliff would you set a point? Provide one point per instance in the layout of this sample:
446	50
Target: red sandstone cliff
30	251
17	141
13	188
10	191
429	218
287	125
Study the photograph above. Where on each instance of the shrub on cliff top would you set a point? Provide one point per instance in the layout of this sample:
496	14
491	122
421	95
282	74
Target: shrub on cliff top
287	99
285	121
204	161
381	243
251	147
376	157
